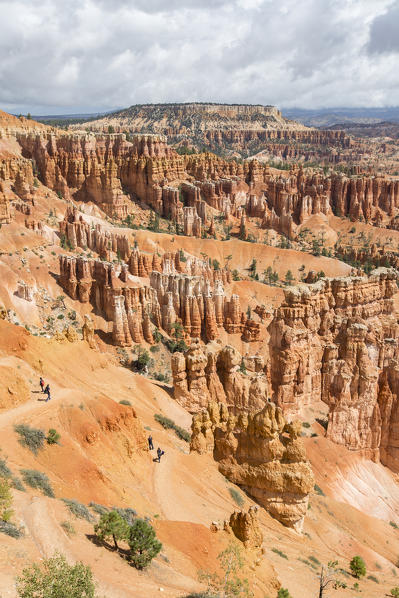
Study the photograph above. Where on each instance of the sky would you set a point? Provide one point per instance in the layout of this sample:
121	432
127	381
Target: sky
61	57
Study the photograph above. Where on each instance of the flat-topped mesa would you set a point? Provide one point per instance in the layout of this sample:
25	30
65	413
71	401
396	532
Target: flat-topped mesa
82	234
260	452
337	341
212	373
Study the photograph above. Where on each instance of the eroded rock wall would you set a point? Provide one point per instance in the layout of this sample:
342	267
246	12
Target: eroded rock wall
215	373
260	452
337	341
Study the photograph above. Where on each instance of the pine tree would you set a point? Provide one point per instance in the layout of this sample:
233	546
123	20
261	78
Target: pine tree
143	544
112	525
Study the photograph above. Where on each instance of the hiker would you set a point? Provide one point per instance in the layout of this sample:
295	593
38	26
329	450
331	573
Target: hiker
47	392
41	383
160	452
150	444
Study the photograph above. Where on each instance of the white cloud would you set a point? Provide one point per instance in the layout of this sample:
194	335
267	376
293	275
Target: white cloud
86	55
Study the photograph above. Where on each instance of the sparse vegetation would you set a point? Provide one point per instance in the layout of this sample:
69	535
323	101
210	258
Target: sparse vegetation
318	490
99	509
230	583
10	529
373	578
283	593
5	500
236	496
68	528
78	509
395	592
32	438
38	480
280	553
169	424
125	402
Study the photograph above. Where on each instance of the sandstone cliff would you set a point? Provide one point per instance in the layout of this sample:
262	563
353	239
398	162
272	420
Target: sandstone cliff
212	373
262	453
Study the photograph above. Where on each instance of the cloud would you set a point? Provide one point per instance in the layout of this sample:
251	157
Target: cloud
88	55
384	35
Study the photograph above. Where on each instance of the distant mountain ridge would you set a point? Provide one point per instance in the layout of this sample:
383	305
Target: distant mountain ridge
325	117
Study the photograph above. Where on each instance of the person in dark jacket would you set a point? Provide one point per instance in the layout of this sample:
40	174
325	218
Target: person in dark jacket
150	444
160	452
47	392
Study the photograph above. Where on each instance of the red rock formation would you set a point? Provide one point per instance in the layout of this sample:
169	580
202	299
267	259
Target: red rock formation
99	168
336	341
212	373
82	234
263	454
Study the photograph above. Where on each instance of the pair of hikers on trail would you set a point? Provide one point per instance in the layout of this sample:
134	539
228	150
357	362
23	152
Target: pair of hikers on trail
160	452
45	390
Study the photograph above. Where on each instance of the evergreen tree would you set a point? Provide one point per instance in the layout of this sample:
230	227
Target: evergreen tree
358	567
112	525
143	544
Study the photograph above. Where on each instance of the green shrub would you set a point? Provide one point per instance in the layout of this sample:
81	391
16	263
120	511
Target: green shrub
78	509
280	553
283	593
32	438
314	560
236	496
125	402
143	360
395	592
68	528
99	509
53	437
112	525
17	484
55	578
318	490
154	349
305	424
143	544
392	523
5	500
372	578
358	567
161	377
38	480
10	529
5	471
169	424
